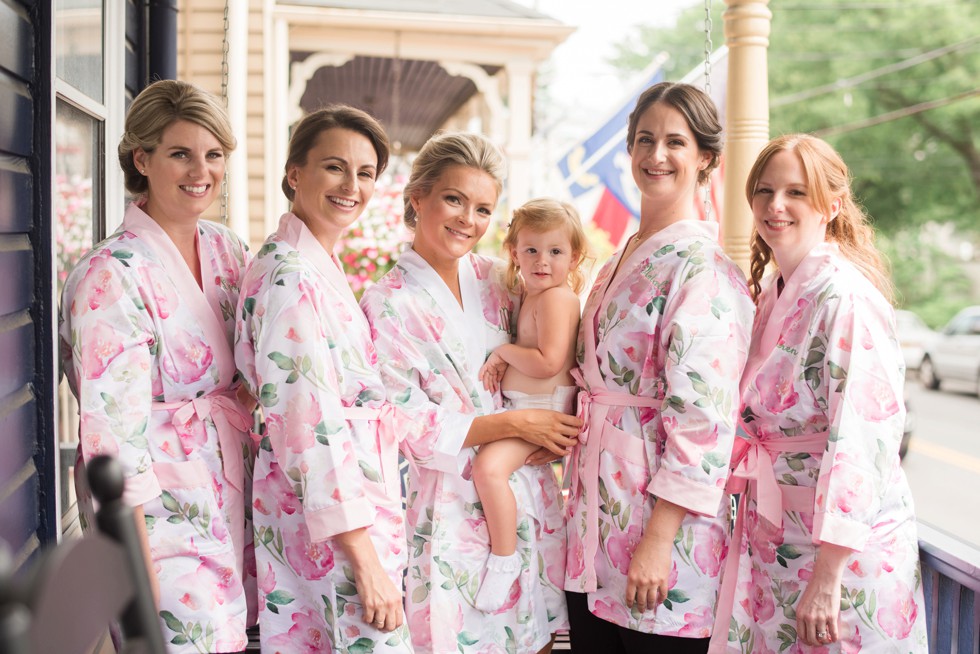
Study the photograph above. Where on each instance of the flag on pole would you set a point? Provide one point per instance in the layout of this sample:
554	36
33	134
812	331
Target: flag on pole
600	163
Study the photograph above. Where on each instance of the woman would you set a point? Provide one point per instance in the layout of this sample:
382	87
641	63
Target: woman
329	530
147	320
663	340
827	518
436	316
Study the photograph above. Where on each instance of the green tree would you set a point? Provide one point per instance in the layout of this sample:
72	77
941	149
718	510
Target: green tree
835	65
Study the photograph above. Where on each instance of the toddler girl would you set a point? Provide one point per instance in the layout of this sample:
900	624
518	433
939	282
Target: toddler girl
547	247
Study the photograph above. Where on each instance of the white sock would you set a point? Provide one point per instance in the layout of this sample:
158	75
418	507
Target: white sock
502	571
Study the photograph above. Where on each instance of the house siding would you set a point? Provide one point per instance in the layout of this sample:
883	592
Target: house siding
27	469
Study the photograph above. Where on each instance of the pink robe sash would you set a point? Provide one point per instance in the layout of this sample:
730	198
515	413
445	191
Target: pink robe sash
752	472
295	232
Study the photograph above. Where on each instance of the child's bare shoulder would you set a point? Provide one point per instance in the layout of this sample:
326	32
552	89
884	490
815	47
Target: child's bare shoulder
560	297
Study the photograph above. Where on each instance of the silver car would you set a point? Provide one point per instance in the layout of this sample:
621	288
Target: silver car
955	355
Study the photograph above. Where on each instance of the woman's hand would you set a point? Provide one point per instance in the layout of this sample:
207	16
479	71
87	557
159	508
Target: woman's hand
492	372
553	430
646	579
541	456
819	608
380	598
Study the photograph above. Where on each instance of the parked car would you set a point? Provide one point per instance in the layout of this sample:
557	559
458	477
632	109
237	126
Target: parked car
955	355
915	336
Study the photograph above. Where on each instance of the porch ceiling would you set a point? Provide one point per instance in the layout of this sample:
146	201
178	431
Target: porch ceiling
427	95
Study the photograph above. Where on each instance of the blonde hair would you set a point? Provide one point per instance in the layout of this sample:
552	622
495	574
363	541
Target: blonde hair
542	215
156	108
827	180
444	151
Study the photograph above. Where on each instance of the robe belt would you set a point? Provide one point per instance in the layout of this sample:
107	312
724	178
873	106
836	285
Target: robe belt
752	462
754	476
384	432
232	421
599	435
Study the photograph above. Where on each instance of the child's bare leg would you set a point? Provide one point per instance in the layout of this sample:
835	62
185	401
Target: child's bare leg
491	474
491	471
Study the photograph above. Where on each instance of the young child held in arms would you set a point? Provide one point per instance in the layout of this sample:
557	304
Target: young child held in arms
547	247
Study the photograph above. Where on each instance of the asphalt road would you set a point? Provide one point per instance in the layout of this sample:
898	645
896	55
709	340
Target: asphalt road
943	461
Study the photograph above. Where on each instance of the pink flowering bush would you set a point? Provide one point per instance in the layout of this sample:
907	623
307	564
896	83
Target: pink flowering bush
73	213
372	244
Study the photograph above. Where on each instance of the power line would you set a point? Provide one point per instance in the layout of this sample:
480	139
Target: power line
895	115
878	72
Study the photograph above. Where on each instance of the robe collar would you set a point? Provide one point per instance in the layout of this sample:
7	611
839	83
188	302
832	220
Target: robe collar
294	231
466	323
204	304
774	310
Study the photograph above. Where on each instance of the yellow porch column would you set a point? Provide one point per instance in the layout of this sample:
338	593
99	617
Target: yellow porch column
747	24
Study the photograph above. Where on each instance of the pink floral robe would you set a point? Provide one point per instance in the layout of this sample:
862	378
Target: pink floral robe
432	350
823	415
148	354
661	350
328	461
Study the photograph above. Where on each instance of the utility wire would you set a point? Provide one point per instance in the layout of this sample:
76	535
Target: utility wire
895	115
878	72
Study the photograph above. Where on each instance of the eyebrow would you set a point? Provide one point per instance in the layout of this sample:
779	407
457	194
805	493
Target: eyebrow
344	161
671	135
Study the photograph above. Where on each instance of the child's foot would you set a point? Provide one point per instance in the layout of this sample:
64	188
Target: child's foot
501	573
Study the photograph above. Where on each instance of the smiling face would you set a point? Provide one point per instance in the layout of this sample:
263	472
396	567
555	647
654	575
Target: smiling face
666	158
183	173
544	258
334	185
784	214
453	215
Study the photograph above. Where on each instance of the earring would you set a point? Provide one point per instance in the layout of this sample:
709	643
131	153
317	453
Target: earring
142	171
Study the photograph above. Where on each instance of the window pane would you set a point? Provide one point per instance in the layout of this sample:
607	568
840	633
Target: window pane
78	222
78	46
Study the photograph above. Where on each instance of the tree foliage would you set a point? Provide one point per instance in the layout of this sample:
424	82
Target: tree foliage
836	63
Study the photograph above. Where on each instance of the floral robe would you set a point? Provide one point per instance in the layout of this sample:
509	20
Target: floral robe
328	461
661	350
148	354
432	350
823	415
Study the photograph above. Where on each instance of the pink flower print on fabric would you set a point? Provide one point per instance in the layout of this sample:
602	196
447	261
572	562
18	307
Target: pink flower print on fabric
103	345
190	357
425	326
308	635
311	561
275	485
300	419
709	554
99	288
97	437
159	292
620	547
897	610
761	599
697	624
780	382
873	397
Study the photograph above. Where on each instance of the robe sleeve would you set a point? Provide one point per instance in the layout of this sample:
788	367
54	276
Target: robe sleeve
414	374
110	338
705	336
304	417
862	375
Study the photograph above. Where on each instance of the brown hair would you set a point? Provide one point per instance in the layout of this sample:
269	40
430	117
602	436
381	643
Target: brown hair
542	215
155	109
827	180
444	151
698	110
340	116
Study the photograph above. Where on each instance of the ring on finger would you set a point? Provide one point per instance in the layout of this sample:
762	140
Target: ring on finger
822	634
